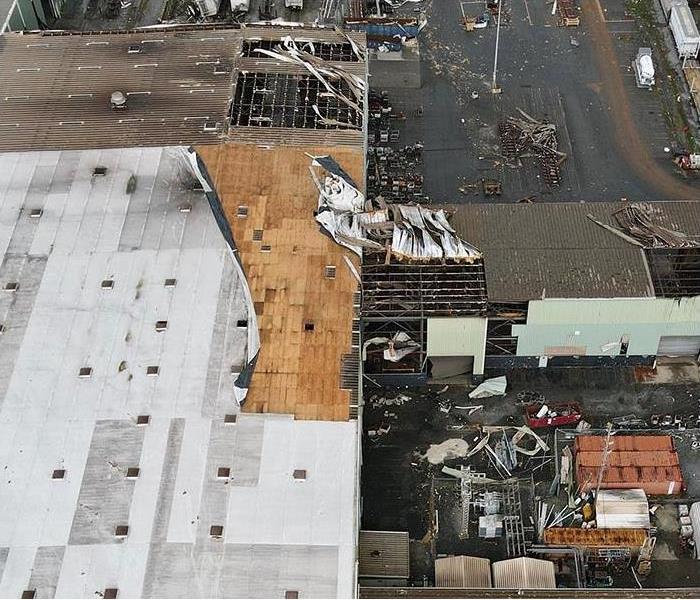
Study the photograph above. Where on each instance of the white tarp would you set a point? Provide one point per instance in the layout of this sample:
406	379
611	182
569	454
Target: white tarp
490	387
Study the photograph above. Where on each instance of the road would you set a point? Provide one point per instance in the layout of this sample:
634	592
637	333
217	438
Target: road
627	135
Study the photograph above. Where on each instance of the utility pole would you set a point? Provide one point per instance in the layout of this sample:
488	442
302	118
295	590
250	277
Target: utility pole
604	461
494	87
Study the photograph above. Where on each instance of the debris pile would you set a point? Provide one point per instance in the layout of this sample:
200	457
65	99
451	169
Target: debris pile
568	13
526	136
637	220
404	231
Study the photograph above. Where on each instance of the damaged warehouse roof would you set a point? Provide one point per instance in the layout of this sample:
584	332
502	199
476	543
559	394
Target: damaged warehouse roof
181	85
554	250
128	469
302	283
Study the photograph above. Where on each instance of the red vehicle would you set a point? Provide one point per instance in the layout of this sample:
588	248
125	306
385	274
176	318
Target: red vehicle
557	415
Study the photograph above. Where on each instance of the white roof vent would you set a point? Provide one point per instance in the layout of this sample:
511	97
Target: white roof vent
117	100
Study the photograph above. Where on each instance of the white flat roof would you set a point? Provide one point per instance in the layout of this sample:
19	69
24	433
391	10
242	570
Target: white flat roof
91	256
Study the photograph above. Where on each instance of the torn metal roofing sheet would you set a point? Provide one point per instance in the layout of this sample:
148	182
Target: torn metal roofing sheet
412	232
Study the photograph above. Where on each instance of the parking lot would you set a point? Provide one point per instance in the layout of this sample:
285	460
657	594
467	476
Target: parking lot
619	138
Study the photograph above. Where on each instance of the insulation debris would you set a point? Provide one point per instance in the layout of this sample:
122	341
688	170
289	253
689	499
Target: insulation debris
490	387
396	347
449	449
409	232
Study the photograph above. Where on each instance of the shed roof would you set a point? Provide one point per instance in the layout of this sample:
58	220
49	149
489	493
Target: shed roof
524	573
555	250
463	572
384	554
622	509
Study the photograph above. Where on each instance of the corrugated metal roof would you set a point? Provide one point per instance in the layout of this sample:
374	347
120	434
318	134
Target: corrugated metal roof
622	509
636	461
627	443
463	572
524	573
56	88
554	250
594	538
384	554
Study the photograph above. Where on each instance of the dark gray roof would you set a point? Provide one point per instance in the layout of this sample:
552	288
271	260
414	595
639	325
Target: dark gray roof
554	250
56	87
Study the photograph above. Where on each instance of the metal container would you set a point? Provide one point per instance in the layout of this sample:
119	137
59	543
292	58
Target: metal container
695	520
595	538
685	31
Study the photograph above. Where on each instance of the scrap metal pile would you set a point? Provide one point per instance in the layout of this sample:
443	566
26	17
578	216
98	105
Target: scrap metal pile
393	173
524	137
404	231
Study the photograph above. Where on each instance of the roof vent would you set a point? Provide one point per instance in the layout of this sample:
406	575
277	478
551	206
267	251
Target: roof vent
132	472
299	474
121	531
117	100
216	531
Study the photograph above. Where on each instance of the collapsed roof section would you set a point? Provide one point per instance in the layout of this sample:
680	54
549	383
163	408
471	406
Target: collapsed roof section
321	95
407	232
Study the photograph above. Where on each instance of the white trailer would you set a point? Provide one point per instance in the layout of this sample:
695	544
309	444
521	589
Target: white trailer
208	8
685	31
294	4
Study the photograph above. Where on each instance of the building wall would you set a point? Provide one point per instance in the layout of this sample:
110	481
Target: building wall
458	336
598	325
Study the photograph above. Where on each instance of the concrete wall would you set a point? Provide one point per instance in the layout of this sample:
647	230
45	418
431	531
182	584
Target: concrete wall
599	324
458	336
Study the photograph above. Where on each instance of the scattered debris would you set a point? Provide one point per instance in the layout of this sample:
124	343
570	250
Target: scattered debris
526	136
471	409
